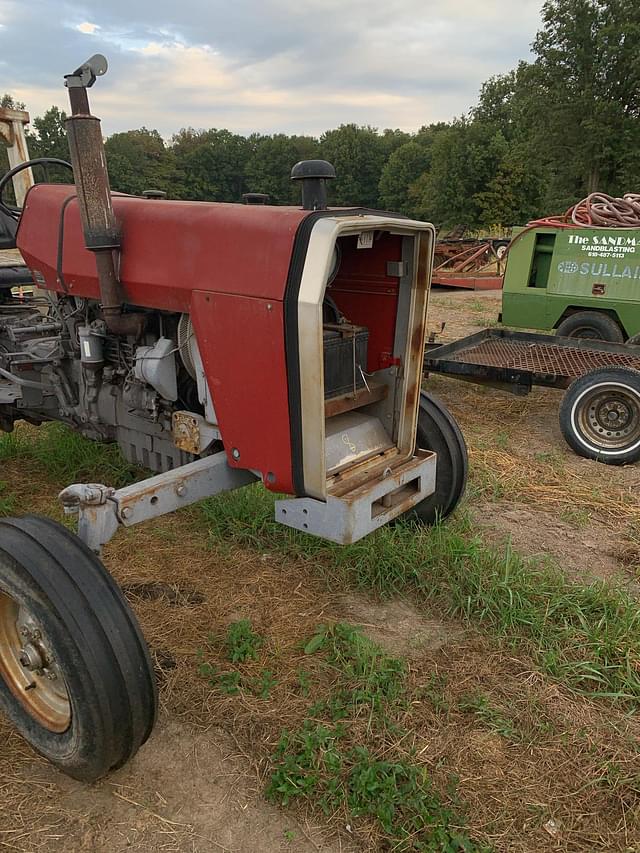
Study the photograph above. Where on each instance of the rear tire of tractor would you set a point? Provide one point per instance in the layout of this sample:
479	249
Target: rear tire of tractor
592	325
438	431
600	415
76	679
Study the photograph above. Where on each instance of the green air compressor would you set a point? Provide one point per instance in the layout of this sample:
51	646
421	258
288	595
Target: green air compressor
581	281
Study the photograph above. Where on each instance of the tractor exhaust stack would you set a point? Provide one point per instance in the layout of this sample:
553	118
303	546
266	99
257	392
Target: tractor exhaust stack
101	232
314	175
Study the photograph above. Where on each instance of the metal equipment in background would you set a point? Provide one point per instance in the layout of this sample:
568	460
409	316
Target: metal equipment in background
19	179
12	133
472	264
219	345
578	274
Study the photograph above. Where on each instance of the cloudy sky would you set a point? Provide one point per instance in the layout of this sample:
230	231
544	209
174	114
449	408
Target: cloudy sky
298	66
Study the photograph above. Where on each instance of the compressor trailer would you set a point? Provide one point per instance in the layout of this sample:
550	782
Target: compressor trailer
600	411
218	345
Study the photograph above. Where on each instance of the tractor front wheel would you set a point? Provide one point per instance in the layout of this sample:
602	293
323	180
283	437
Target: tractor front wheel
75	675
438	431
600	415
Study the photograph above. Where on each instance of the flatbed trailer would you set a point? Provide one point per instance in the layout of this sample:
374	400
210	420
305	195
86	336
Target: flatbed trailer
600	412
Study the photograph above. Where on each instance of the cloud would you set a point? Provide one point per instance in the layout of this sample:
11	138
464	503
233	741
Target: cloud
87	28
265	65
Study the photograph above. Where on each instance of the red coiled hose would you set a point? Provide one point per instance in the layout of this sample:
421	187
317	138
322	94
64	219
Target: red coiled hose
597	210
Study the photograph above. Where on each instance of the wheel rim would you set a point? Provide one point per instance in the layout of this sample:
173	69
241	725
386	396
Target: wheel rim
609	417
588	333
29	668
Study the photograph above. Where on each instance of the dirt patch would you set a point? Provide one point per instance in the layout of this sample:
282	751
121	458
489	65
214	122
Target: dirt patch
185	790
587	553
398	626
463	312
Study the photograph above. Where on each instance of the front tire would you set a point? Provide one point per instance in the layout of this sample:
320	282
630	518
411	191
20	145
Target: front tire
439	432
76	679
592	325
600	415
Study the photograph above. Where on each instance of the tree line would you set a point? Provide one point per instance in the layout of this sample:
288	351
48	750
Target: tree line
540	137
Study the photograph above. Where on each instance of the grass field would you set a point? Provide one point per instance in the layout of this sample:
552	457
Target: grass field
471	687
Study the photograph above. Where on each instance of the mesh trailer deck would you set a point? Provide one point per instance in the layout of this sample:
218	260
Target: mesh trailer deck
600	413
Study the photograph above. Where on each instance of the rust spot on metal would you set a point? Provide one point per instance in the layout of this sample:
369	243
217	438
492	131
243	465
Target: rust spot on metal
186	432
362	397
424	257
417	340
99	225
412	395
402	487
132	501
359	475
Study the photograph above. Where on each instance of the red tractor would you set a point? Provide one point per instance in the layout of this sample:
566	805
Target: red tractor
218	345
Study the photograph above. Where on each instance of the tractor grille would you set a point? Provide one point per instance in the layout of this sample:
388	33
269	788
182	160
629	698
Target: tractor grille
547	359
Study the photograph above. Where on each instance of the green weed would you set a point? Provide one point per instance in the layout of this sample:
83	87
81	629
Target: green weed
263	685
397	795
434	692
226	682
553	458
501	440
400	796
491	717
304	682
371	679
241	642
580	518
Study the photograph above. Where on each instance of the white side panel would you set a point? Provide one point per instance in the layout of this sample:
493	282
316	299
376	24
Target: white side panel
312	288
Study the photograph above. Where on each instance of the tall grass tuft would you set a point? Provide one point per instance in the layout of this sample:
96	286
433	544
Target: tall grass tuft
67	456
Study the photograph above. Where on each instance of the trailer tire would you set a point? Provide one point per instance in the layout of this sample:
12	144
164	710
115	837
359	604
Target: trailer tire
76	679
439	431
593	325
600	415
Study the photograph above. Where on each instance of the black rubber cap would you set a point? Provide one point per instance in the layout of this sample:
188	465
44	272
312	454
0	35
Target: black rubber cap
256	198
312	169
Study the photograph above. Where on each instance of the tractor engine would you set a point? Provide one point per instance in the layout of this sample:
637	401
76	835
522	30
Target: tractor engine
58	361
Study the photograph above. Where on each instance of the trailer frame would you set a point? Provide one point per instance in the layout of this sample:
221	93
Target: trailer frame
600	411
518	361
